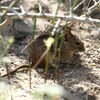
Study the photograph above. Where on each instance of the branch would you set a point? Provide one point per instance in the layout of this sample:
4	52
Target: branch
91	9
5	23
5	8
51	16
56	26
79	4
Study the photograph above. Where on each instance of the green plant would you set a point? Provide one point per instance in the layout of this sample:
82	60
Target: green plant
5	45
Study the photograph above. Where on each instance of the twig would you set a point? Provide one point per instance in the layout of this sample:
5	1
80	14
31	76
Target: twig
91	9
5	8
56	26
51	16
79	4
16	12
29	43
22	9
5	23
43	7
16	69
71	8
40	59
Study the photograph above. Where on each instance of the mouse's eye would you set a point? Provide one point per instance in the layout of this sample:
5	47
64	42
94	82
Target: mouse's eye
77	43
66	38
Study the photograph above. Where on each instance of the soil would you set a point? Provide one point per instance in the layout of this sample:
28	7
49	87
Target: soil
79	78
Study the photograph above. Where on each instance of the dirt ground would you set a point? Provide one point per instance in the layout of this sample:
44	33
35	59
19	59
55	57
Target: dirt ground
80	78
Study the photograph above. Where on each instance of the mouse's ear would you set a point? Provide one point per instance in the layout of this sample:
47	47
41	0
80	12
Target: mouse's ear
67	34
